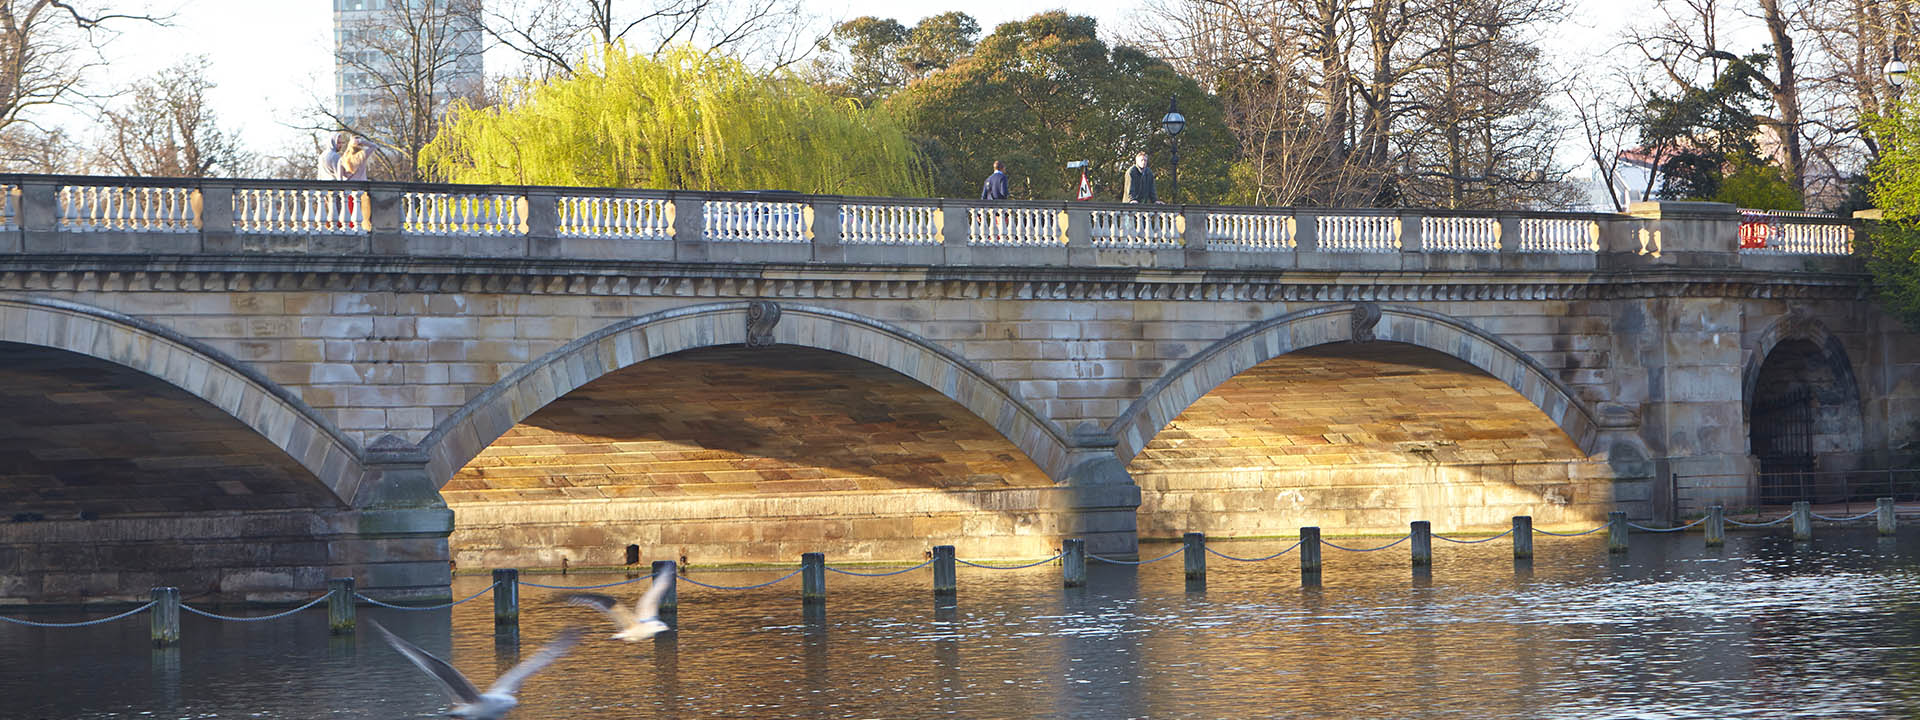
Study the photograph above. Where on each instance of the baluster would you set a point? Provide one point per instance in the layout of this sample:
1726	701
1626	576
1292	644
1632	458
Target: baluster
166	212
311	211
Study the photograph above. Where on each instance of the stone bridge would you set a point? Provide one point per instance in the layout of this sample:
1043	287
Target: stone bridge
244	387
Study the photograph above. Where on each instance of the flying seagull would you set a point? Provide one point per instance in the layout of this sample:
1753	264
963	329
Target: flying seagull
468	702
640	623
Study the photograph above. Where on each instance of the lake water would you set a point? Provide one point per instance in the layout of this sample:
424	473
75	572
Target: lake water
1760	628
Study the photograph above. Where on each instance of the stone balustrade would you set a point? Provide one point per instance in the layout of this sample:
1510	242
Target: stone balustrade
42	214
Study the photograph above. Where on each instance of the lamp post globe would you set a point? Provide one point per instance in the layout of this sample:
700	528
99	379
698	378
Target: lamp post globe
1897	72
1172	123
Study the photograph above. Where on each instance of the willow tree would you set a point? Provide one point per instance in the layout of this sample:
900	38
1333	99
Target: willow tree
682	120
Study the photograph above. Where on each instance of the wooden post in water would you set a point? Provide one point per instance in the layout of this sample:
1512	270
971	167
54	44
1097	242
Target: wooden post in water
1196	555
1309	550
340	606
813	578
946	582
1716	526
165	616
1617	531
506	600
1802	520
668	572
1422	532
1883	516
1073	564
1522	537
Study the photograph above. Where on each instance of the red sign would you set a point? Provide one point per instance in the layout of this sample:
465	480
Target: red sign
1756	230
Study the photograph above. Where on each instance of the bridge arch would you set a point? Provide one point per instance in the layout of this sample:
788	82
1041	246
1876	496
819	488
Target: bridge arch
1802	407
1193	378
199	370
489	416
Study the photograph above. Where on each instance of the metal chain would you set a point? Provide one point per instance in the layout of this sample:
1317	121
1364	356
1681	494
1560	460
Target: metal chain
83	623
1638	526
1861	516
1472	542
744	587
587	587
1403	538
831	568
1062	554
1574	534
1112	561
444	606
1769	523
231	618
1225	556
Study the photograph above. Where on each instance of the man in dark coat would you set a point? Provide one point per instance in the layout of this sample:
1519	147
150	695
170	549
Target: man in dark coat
995	188
1139	188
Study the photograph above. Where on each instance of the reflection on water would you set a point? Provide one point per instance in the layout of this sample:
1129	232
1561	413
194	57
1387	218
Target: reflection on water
1760	628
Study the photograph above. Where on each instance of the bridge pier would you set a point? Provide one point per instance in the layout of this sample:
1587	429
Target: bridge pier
1105	501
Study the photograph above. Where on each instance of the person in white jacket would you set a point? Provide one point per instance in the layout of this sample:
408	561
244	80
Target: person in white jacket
330	157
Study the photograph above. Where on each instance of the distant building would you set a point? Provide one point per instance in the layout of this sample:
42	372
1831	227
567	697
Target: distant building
1635	179
355	94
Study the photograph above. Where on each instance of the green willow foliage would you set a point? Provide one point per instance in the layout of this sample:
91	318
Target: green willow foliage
684	120
1895	258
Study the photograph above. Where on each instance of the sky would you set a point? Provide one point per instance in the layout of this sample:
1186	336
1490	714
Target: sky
272	60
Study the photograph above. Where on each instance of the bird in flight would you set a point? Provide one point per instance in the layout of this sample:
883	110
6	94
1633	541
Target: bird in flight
640	623
469	703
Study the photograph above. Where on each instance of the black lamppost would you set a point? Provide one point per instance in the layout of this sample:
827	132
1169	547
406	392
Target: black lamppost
1173	122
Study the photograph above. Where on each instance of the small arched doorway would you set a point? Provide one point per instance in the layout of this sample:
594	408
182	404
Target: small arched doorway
1803	424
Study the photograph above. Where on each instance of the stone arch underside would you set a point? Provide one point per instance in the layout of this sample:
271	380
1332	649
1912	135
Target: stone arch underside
131	457
463	435
672	435
197	370
1198	375
1294	423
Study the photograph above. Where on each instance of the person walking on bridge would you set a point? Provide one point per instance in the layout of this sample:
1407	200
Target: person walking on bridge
1139	187
995	188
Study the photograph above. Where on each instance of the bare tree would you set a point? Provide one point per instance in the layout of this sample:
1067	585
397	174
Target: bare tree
1849	43
48	48
554	35
1342	103
165	128
25	148
1607	126
409	61
1281	69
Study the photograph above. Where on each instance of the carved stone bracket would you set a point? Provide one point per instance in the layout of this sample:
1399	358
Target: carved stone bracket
1365	316
762	315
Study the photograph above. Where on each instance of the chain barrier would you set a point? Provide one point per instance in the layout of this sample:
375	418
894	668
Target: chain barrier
83	623
1861	516
230	618
1062	554
1224	556
442	606
1111	561
1509	531
1769	523
587	587
1403	538
831	568
1572	534
774	581
1638	526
